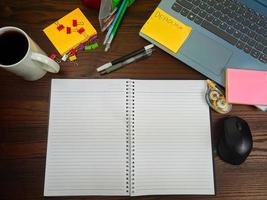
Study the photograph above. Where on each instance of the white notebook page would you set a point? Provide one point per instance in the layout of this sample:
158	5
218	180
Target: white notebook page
86	142
173	153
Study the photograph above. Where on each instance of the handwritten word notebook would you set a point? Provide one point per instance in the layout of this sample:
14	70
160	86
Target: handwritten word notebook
128	138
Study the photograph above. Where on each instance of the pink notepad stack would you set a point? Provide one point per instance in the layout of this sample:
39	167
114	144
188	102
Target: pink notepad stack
246	87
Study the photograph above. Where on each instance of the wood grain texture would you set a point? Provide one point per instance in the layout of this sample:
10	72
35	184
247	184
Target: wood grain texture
24	105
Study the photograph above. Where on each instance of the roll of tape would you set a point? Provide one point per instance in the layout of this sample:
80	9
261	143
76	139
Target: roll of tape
216	99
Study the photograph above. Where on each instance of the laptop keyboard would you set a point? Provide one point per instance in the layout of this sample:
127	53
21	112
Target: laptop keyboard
235	23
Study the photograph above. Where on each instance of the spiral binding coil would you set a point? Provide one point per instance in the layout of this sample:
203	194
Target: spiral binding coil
130	137
127	136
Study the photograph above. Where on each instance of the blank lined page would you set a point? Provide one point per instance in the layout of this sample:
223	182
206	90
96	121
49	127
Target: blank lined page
172	140
87	140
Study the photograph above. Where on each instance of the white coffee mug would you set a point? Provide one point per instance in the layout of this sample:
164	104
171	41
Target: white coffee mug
34	64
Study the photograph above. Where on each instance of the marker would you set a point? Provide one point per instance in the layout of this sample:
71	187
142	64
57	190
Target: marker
114	21
128	61
119	60
115	28
109	42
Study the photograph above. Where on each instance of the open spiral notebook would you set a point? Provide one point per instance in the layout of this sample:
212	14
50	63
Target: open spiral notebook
128	137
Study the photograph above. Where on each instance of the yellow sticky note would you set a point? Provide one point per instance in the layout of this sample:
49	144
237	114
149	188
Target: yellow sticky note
64	41
166	30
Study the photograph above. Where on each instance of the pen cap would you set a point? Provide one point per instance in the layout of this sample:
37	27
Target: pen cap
149	46
103	67
115	3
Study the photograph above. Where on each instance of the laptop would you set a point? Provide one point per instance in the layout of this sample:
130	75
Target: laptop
225	33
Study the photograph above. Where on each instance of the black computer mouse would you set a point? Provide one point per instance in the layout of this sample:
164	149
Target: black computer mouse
235	142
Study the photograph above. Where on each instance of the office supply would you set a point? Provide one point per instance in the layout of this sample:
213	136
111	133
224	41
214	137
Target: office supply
54	57
80	30
81	47
108	22
108	12
115	28
60	27
91	46
126	62
95	45
224	33
216	99
246	86
64	41
93	38
172	34
72	58
117	2
128	137
124	58
73	52
65	57
68	29
117	21
76	23
235	141
262	108
114	21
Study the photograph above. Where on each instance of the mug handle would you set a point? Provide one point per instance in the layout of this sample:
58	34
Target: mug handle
49	64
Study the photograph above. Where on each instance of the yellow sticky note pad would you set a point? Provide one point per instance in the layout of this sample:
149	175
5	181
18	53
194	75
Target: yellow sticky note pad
166	30
64	41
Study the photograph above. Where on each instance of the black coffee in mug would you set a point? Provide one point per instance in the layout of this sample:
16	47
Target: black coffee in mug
14	46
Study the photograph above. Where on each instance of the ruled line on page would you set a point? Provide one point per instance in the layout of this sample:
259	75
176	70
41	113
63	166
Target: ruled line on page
86	143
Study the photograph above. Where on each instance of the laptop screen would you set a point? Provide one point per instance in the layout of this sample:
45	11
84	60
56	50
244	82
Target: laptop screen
257	5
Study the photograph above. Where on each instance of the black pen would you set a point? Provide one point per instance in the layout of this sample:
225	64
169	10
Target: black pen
126	57
128	61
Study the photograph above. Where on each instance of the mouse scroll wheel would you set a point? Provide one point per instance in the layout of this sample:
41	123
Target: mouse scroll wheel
239	126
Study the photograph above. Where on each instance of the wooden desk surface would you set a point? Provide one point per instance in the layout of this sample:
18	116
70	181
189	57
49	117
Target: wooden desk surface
24	105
